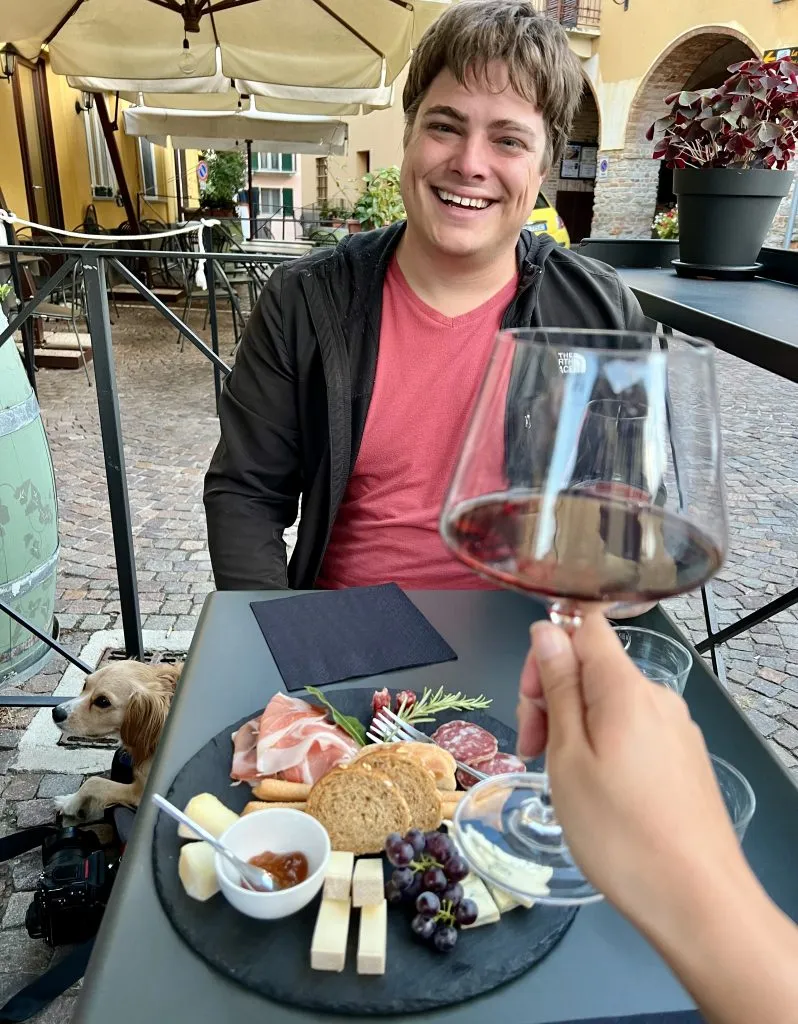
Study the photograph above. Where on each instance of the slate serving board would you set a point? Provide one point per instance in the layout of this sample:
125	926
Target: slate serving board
273	958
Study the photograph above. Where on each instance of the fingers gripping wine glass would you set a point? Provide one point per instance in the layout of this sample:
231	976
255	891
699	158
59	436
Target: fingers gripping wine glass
590	476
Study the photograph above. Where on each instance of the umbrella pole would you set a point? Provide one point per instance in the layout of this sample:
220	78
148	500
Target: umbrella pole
250	191
116	163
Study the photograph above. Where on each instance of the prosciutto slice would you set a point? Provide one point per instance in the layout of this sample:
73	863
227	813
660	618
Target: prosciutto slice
292	740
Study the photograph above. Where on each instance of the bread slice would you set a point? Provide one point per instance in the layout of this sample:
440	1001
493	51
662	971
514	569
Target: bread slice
359	806
416	784
439	761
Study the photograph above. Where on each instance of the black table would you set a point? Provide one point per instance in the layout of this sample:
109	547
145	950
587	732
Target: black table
141	970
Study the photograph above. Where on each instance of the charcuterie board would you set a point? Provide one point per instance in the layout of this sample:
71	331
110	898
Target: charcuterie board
272	957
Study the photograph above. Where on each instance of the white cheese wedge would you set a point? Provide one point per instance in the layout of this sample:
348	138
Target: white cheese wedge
373	939
506	901
210	814
498	863
368	887
197	871
475	889
338	877
328	948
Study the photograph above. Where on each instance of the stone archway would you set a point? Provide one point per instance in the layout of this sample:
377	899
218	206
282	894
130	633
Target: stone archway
574	196
626	200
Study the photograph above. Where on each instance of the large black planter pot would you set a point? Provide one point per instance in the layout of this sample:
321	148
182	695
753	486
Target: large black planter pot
724	215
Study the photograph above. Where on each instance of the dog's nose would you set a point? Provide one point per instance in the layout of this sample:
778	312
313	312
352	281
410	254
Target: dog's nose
59	713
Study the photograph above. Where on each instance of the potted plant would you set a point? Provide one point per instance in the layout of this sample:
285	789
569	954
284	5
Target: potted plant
226	172
666	224
730	148
380	203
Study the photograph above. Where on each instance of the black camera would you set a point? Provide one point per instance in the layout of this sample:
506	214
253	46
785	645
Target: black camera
73	889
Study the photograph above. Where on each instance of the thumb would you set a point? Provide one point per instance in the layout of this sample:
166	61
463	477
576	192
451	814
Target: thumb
559	672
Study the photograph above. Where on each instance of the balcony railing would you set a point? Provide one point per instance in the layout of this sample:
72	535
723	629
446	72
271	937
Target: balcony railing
573	13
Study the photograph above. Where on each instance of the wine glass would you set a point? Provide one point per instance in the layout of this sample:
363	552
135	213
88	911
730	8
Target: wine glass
590	475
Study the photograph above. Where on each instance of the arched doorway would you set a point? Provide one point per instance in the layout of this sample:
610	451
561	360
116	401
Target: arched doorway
637	186
570	185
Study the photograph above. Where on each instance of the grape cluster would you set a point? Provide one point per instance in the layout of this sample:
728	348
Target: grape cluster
427	873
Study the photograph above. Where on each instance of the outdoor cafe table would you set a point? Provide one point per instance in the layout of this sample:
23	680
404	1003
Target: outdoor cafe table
142	971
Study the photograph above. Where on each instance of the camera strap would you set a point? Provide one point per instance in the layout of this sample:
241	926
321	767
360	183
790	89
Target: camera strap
21	842
41	992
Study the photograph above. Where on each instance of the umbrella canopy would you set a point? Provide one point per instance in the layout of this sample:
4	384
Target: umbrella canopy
208	129
329	44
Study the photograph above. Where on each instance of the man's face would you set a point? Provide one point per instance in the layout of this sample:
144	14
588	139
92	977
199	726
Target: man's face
472	165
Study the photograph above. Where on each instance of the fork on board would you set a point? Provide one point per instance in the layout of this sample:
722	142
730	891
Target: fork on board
387	727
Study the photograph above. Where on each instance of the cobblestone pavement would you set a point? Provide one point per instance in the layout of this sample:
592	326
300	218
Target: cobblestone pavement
166	400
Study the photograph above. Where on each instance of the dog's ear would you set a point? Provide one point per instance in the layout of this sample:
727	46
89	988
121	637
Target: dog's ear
144	720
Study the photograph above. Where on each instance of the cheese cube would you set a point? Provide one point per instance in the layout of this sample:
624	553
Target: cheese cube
475	889
210	814
197	871
373	939
506	901
338	877
368	887
328	948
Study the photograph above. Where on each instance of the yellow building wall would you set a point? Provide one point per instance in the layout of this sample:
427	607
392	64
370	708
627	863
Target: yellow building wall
12	180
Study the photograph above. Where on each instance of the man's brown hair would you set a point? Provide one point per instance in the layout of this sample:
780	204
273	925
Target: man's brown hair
540	64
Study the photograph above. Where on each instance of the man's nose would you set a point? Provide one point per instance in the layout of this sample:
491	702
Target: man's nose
470	159
60	713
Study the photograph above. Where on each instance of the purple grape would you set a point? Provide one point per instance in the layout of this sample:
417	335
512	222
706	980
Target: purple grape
453	892
423	927
400	854
445	938
392	839
434	880
415	887
402	878
392	894
439	846
417	840
456	868
428	904
466	912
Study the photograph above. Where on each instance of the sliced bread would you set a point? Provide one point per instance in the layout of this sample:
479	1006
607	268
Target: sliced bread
439	761
359	806
416	783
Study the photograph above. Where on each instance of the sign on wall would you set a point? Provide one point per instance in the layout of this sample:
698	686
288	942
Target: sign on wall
579	161
202	171
603	168
788	52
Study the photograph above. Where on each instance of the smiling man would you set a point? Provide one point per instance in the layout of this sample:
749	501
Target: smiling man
360	365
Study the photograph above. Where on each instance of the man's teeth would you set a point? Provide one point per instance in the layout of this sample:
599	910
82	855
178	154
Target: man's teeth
450	197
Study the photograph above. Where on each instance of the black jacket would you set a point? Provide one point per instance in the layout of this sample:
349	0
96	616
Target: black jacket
293	410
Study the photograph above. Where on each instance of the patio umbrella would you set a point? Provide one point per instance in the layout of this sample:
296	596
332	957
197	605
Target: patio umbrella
220	129
336	44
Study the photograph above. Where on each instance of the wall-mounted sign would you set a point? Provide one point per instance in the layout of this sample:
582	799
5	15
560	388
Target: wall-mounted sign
603	168
784	52
202	170
569	168
587	163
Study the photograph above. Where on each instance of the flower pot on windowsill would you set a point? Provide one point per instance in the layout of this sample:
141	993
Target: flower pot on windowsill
725	214
218	211
354	226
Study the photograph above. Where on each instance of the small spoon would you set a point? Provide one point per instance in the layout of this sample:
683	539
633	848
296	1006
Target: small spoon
251	877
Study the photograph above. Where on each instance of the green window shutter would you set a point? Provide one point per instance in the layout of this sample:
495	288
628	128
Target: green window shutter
287	162
288	202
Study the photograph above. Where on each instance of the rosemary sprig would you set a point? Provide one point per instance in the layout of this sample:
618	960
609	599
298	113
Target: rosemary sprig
433	702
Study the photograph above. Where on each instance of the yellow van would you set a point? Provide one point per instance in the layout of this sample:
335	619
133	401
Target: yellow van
544	218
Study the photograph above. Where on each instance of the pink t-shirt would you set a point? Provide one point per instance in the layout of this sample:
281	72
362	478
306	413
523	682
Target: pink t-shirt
429	371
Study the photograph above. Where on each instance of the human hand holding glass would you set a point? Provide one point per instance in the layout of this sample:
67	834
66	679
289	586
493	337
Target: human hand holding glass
557	506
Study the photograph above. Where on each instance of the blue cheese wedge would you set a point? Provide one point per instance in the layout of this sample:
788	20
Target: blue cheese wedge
328	948
498	863
507	902
373	938
487	911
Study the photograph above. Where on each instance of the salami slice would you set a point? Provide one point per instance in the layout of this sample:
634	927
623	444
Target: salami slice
466	742
499	764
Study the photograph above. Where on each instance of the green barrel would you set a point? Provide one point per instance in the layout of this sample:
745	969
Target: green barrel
28	520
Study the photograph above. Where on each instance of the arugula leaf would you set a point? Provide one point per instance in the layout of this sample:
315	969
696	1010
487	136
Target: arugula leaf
348	723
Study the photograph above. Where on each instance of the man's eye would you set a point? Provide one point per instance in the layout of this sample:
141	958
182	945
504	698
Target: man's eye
101	702
441	128
512	143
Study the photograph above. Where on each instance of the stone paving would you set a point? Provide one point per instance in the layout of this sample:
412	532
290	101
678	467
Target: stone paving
169	426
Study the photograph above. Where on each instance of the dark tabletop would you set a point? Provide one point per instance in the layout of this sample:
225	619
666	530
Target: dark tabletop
141	970
756	320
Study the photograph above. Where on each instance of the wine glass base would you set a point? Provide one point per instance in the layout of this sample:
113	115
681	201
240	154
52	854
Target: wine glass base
508	833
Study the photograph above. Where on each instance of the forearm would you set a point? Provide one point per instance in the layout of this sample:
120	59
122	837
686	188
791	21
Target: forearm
732	949
246	548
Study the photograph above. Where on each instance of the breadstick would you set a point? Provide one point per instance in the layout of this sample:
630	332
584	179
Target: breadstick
262	805
451	800
277	789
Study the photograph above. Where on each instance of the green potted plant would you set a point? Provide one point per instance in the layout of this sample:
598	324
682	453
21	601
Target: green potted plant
380	203
730	148
666	224
226	173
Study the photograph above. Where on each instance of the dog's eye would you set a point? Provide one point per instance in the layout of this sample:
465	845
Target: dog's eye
101	702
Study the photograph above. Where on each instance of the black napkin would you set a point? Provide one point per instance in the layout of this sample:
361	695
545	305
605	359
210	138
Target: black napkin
334	635
673	1017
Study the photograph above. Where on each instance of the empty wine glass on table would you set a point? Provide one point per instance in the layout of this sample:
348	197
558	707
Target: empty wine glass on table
590	476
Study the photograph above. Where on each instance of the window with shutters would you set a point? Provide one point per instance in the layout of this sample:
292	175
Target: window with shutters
321	179
103	179
276	163
573	13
